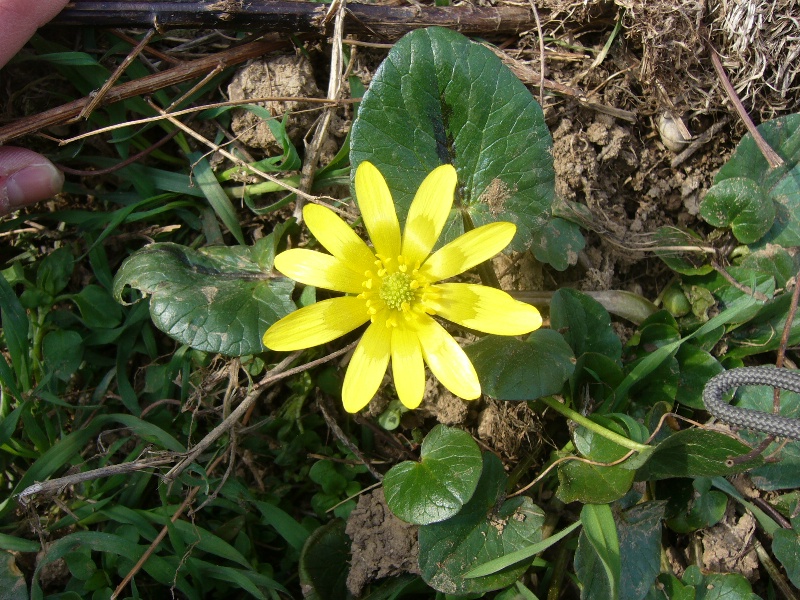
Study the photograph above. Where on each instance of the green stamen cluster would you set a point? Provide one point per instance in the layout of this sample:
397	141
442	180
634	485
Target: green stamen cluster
396	290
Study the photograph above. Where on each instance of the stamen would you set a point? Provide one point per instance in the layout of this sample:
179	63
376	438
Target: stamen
396	290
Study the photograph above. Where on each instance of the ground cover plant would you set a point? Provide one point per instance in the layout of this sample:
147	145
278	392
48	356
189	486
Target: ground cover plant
442	331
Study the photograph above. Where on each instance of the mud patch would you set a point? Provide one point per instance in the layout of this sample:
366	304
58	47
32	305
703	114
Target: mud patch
282	76
727	547
508	426
383	545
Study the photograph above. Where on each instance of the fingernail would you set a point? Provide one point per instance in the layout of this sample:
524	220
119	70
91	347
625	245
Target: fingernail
31	184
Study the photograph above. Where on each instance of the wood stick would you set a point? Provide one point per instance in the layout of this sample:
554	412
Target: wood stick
138	87
388	22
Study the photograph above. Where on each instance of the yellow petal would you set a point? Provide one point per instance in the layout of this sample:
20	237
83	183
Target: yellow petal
484	309
337	237
468	250
367	367
316	324
428	213
320	270
407	367
447	360
377	208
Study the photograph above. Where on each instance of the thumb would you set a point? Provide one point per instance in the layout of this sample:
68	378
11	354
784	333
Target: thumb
26	177
19	20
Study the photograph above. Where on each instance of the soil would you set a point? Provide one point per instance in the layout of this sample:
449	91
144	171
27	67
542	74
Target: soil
616	149
383	545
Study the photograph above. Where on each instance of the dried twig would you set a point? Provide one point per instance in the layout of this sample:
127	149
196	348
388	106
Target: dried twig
540	35
138	87
97	97
202	107
342	437
53	485
161	535
276	374
217	148
314	148
769	154
700	141
292	17
787	330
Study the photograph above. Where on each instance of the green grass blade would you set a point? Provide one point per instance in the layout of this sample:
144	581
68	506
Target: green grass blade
216	196
513	558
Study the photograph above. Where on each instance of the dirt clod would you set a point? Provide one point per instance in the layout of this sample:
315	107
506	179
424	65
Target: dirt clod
282	76
383	545
727	546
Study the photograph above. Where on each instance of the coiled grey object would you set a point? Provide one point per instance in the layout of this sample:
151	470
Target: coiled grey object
744	417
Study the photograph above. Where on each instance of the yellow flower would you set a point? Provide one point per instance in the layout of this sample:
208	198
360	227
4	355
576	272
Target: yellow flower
395	287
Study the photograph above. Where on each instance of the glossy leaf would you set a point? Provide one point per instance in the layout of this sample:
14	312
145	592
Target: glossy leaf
62	351
512	558
639	533
758	334
584	482
696	367
740	204
584	324
12	580
98	308
437	487
558	244
215	299
597	560
439	98
324	563
786	547
481	532
54	271
773	261
718	586
695	453
594	483
692	504
782	184
510	369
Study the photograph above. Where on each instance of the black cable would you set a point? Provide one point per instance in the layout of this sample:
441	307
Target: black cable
777	425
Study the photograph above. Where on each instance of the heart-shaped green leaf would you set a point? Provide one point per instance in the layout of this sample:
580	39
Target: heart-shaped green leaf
781	185
217	299
584	323
509	369
440	98
481	532
595	483
324	562
438	486
742	205
715	586
697	367
786	547
62	351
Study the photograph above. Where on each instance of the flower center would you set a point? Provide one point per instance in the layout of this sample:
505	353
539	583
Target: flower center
396	290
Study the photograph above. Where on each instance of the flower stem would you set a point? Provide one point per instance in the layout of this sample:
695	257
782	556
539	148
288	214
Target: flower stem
591	425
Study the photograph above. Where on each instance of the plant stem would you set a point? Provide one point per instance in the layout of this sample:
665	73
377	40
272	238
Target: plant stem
592	426
769	154
773	571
